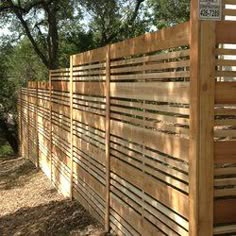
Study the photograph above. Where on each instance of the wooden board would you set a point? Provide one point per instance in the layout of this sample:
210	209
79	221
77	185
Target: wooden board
89	88
225	211
92	56
154	91
165	194
90	180
60	86
91	119
224	32
226	93
225	152
177	147
163	39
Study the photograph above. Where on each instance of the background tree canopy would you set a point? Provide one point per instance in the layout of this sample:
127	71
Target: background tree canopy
42	33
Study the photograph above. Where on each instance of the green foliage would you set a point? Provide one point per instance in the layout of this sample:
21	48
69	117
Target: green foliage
169	12
115	20
5	148
7	91
73	39
24	65
19	64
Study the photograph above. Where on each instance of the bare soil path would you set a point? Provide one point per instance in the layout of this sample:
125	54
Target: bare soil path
30	205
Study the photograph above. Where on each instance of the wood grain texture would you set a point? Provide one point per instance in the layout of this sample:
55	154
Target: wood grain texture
90	88
107	141
226	93
225	152
150	42
159	91
60	86
71	127
202	89
225	211
168	144
158	190
207	102
224	32
96	55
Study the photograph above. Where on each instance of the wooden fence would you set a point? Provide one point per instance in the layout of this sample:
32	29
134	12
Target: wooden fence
143	132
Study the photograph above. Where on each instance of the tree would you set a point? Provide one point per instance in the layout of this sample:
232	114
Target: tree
74	39
51	24
169	12
37	43
7	100
15	71
40	21
114	20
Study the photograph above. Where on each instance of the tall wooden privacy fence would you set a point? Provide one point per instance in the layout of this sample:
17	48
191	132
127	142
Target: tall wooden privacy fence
143	132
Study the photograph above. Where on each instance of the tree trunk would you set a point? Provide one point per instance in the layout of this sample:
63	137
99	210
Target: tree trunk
10	135
53	37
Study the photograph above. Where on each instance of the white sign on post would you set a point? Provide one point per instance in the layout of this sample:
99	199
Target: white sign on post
210	9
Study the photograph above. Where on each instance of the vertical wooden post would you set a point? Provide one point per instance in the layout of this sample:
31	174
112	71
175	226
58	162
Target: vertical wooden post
50	131
107	217
21	135
71	126
28	123
36	126
20	122
201	156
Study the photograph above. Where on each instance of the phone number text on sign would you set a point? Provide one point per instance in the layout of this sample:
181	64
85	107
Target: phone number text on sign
210	9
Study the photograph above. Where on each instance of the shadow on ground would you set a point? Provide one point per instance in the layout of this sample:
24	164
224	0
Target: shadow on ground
30	205
55	218
15	172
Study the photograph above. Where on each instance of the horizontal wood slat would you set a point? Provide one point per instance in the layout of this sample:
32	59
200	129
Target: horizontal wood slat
88	118
61	155
163	39
89	88
43	85
90	149
225	152
226	93
225	211
90	180
61	109
60	86
142	225
225	230
168	144
224	32
92	56
162	192
163	92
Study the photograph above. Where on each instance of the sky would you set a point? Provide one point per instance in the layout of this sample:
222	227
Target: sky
4	31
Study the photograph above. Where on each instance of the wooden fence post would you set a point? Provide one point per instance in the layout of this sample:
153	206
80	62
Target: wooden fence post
107	219
28	123
50	131
20	123
71	126
201	156
36	126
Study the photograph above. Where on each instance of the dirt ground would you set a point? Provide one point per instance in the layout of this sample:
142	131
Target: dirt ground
30	205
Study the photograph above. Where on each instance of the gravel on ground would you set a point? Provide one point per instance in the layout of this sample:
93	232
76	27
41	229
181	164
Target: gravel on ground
30	205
